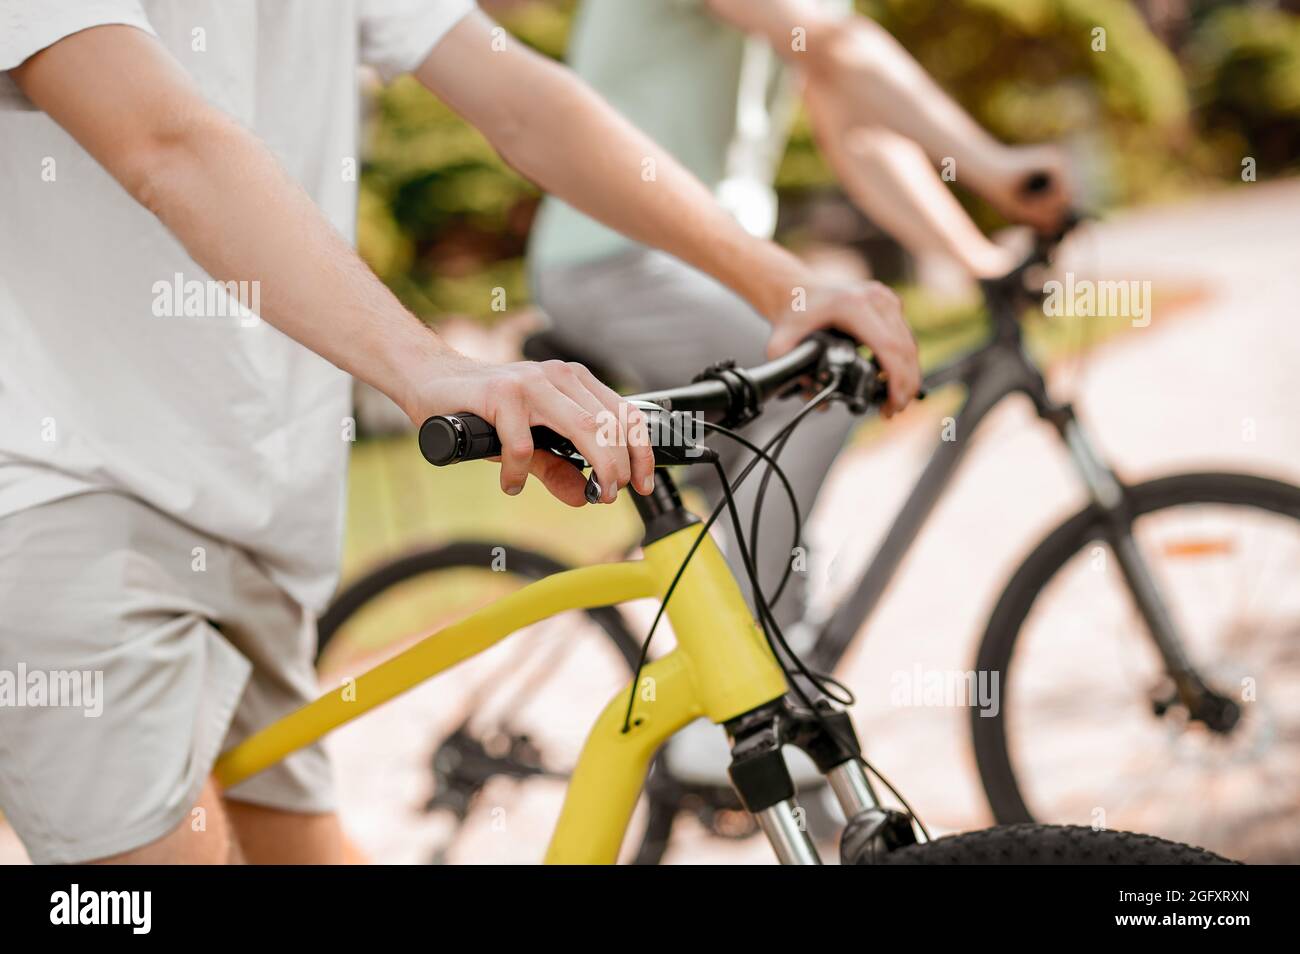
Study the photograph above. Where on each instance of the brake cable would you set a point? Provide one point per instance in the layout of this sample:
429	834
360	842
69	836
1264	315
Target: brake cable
760	454
749	558
758	510
663	604
771	629
773	467
767	619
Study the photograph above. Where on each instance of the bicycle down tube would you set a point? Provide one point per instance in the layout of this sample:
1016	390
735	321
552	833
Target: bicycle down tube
990	374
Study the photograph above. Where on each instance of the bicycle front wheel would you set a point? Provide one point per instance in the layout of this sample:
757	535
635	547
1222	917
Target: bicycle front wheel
1046	845
1086	728
487	749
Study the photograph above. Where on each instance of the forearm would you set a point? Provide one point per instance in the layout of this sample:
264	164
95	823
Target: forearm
880	84
671	210
562	136
221	193
856	62
890	178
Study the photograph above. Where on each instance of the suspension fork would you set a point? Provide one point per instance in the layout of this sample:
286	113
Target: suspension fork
762	780
1110	497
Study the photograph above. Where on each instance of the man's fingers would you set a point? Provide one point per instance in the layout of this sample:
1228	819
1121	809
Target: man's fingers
622	428
639	450
633	428
511	422
786	335
902	376
565	378
899	396
896	349
562	479
873	315
561	413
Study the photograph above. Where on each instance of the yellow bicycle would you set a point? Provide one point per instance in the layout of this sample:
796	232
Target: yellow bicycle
730	665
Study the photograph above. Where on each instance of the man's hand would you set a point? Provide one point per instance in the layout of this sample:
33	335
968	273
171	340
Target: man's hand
873	315
1008	186
610	433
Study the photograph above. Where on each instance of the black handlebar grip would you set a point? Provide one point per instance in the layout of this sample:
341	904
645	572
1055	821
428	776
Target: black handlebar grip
1036	182
454	438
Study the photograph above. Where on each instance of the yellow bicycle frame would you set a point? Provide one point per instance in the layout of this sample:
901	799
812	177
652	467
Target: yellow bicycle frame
721	668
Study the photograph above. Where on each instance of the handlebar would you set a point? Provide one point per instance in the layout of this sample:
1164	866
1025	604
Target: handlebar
722	393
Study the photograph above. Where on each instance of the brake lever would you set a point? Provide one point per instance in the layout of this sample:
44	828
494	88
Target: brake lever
677	449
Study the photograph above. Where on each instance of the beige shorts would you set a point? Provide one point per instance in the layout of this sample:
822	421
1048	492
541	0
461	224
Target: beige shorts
134	650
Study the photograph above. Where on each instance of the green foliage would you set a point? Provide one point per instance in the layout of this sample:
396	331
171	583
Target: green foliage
443	219
543	26
1244	72
1032	69
1036	70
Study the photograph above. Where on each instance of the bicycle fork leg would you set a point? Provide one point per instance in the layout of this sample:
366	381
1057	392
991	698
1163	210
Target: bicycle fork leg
1203	702
1150	603
782	825
762	780
852	788
759	774
1108	493
1217	711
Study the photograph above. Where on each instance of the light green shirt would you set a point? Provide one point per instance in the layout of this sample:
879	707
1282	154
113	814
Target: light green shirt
675	71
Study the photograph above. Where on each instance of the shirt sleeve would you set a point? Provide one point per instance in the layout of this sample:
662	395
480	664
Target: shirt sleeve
29	26
396	35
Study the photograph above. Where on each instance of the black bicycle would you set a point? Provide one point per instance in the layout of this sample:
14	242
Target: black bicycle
1177	683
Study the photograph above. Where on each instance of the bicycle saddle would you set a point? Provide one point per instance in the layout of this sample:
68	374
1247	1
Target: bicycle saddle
549	345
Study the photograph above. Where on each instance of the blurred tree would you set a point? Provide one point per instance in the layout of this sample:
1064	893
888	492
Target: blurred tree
1088	71
443	221
1243	68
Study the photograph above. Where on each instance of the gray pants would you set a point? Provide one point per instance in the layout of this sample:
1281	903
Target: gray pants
655	322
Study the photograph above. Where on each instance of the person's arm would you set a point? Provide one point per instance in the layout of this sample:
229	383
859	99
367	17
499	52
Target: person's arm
891	179
558	133
857	65
222	194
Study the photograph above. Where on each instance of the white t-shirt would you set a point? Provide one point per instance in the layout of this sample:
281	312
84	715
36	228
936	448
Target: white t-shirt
222	422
